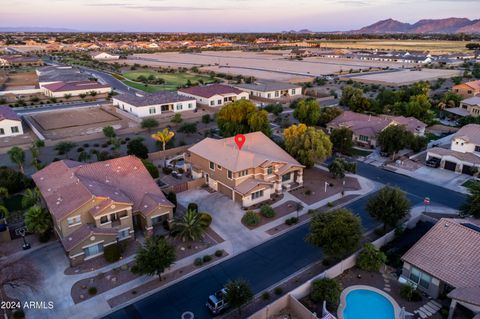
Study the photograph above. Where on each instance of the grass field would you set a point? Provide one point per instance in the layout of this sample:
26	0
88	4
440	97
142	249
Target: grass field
172	80
437	47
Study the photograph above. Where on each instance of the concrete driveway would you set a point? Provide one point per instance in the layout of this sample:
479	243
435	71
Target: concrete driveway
227	217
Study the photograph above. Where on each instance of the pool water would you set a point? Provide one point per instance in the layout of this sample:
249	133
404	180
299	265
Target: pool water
367	304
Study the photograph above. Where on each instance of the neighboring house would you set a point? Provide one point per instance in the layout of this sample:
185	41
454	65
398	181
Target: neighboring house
447	258
366	127
464	153
60	89
154	104
96	205
214	95
10	123
19	60
468	107
247	176
103	56
270	90
53	74
468	89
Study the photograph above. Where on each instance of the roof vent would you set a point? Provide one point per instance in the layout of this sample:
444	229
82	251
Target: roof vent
145	206
446	225
49	190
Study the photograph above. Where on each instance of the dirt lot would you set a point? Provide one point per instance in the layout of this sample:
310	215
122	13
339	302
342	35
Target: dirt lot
18	81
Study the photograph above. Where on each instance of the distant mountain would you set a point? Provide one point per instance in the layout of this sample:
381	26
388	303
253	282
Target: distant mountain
449	25
35	29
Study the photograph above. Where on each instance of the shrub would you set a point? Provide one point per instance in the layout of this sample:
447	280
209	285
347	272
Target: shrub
198	262
207	258
205	219
308	192
86	145
166	170
80	149
409	293
278	290
267	211
251	218
193	206
291	221
370	258
326	289
152	169
44	237
92	291
330	204
219	253
265	295
206	118
112	253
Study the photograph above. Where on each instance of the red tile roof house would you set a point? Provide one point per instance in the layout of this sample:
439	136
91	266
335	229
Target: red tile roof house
214	94
60	89
447	260
248	176
96	205
10	123
366	127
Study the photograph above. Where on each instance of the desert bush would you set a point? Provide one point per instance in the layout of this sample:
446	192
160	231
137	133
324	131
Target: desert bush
92	291
267	211
251	218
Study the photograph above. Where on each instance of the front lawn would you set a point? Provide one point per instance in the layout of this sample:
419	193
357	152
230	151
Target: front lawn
470	183
356	152
172	80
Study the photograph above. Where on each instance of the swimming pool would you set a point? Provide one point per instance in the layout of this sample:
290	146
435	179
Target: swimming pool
367	303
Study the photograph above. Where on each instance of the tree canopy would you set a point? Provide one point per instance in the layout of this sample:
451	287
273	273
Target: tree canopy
238	293
370	258
472	205
240	117
154	257
342	140
137	148
307	112
389	205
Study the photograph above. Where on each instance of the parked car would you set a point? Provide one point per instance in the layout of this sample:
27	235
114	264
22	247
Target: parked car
216	303
433	162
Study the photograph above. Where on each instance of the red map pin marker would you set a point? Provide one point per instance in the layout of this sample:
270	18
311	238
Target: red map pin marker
240	140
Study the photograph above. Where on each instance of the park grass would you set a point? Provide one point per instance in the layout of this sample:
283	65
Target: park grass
172	80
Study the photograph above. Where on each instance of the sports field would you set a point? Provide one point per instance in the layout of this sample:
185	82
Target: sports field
172	80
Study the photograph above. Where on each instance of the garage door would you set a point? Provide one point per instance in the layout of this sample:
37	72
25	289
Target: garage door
224	190
450	166
467	170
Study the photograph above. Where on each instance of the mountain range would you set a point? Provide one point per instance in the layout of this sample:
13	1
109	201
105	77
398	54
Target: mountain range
449	25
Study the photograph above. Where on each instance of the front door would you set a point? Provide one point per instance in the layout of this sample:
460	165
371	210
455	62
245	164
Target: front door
207	178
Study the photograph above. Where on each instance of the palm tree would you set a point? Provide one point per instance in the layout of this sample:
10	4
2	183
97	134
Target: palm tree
38	220
164	137
34	149
189	227
30	198
17	156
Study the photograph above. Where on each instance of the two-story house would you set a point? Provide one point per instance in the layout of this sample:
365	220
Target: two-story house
467	89
10	122
249	175
464	153
96	205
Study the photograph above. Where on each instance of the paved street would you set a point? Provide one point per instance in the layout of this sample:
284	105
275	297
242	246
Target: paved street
274	260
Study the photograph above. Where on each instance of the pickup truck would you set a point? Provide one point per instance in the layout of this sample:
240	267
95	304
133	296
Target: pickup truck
216	303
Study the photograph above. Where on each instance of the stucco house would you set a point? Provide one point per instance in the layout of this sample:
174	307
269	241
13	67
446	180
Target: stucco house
145	105
96	205
270	90
214	95
54	74
248	176
447	260
10	123
19	60
103	56
464	153
467	89
60	89
366	127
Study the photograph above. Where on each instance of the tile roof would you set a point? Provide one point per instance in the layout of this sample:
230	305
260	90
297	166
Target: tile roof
249	184
450	252
466	157
473	84
457	111
267	86
78	236
208	91
258	149
60	74
158	98
67	185
469	133
19	59
470	295
472	100
6	113
74	86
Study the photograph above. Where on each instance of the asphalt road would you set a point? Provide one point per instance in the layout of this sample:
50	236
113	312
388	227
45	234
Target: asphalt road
274	260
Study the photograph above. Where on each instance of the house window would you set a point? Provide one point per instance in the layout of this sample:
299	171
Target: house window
219	102
286	177
363	138
124	233
190	105
73	220
269	95
2	131
229	174
219	167
15	129
293	91
243	173
179	107
152	110
93	250
477	148
257	194
122	214
277	94
212	166
156	220
212	102
270	170
420	278
103	219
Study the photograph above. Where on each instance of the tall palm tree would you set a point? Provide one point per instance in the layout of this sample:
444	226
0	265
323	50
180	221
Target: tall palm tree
164	137
189	227
31	197
17	156
38	220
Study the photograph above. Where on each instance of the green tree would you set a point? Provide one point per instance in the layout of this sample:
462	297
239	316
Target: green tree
418	106
3	213
238	293
242	117
307	144
177	118
472	205
450	99
354	99
137	148
149	124
393	139
389	206
154	257
328	114
307	112
31	197
84	156
327	290
337	233
35	151
151	168
172	198
63	148
342	140
370	258
188	227
17	156
38	220
337	169
109	132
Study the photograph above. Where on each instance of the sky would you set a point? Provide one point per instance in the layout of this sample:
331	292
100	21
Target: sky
224	15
